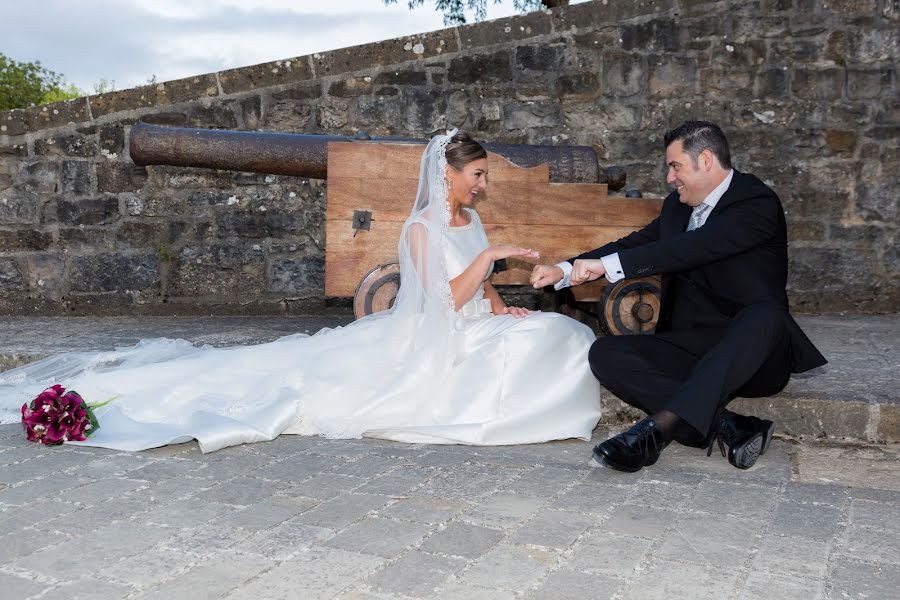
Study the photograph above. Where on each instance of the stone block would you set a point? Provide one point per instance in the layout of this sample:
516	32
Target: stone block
19	210
639	521
381	537
75	177
711	541
768	585
510	567
65	145
189	88
578	86
19	587
284	539
872	545
530	115
118	177
481	68
332	115
145	96
86	211
57	114
18	240
869	83
889	415
259	222
670	579
112	140
593	14
572	585
861	580
727	81
623	74
339	512
351	87
415	574
213	116
540	57
11	279
672	75
37	177
817	84
118	272
12	122
389	52
489	33
216	576
463	539
770	82
662	34
504	510
219	269
279	72
412	76
424	510
552	529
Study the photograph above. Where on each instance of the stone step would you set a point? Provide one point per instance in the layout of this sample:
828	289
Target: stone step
854	397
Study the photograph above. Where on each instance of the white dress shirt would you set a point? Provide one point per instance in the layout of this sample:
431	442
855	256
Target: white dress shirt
611	262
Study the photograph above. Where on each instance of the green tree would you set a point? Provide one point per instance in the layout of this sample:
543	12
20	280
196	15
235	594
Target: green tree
455	10
24	84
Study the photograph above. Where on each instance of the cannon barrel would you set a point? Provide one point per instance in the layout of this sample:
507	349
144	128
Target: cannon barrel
306	155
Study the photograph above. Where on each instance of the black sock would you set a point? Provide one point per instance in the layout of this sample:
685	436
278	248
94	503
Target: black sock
666	423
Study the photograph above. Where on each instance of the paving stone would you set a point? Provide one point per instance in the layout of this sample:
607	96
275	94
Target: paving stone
91	589
86	520
20	543
148	568
339	512
616	555
591	498
861	581
185	513
552	529
368	465
661	494
797	556
459	591
424	509
463	539
572	585
219	469
509	567
269	512
314	573
875	514
284	539
19	587
400	481
299	467
809	493
734	499
415	574
206	540
103	490
243	491
216	576
465	482
115	465
640	521
805	520
41	489
15	518
325	486
767	585
504	510
66	560
382	537
714	540
543	482
668	579
162	470
872	545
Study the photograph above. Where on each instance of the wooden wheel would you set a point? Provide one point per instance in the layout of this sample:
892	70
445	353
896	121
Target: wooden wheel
630	307
377	290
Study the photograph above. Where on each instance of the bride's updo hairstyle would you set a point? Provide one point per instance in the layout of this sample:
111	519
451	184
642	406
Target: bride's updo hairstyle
462	149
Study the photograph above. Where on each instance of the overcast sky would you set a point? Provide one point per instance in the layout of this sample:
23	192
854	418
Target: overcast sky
129	41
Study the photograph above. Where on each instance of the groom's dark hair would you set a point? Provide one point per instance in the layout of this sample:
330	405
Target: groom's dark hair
697	136
462	149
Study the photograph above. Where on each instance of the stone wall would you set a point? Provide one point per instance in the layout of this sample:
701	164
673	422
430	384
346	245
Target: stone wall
807	92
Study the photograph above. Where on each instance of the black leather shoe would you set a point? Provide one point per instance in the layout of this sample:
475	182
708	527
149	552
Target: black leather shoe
747	438
634	449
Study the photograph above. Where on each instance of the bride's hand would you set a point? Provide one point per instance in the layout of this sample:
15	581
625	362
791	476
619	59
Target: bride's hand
516	311
506	251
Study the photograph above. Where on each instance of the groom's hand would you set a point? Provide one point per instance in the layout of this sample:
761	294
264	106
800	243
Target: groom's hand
586	269
543	275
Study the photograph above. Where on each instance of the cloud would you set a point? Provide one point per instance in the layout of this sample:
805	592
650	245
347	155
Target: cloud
129	42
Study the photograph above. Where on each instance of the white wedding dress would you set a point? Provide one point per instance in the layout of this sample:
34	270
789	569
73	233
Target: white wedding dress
421	372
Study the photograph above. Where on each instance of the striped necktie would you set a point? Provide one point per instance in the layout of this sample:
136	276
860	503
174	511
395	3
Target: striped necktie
697	216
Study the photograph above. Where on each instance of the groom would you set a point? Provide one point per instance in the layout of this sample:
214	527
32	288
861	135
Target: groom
724	330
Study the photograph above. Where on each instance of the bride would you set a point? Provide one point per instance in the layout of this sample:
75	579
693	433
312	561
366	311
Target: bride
449	363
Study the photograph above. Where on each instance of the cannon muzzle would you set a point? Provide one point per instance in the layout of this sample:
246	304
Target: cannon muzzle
306	155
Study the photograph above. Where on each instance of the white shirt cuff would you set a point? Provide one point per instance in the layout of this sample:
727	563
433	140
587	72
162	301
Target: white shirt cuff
613	266
566	267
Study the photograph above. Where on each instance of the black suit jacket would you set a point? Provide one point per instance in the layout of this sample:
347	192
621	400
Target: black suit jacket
738	258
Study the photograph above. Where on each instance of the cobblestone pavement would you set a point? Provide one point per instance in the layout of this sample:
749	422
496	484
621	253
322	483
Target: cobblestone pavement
306	517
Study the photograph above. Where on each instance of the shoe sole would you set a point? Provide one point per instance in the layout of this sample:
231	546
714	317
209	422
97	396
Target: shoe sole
746	455
768	433
601	461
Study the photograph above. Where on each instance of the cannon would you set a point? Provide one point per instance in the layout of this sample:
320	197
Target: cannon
553	198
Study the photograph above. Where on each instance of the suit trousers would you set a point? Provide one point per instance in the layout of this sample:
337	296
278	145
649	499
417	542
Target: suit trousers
695	372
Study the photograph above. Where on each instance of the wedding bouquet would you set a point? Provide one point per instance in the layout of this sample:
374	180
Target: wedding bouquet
58	416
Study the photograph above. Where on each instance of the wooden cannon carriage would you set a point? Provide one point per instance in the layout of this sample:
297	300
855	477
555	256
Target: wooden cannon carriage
371	185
